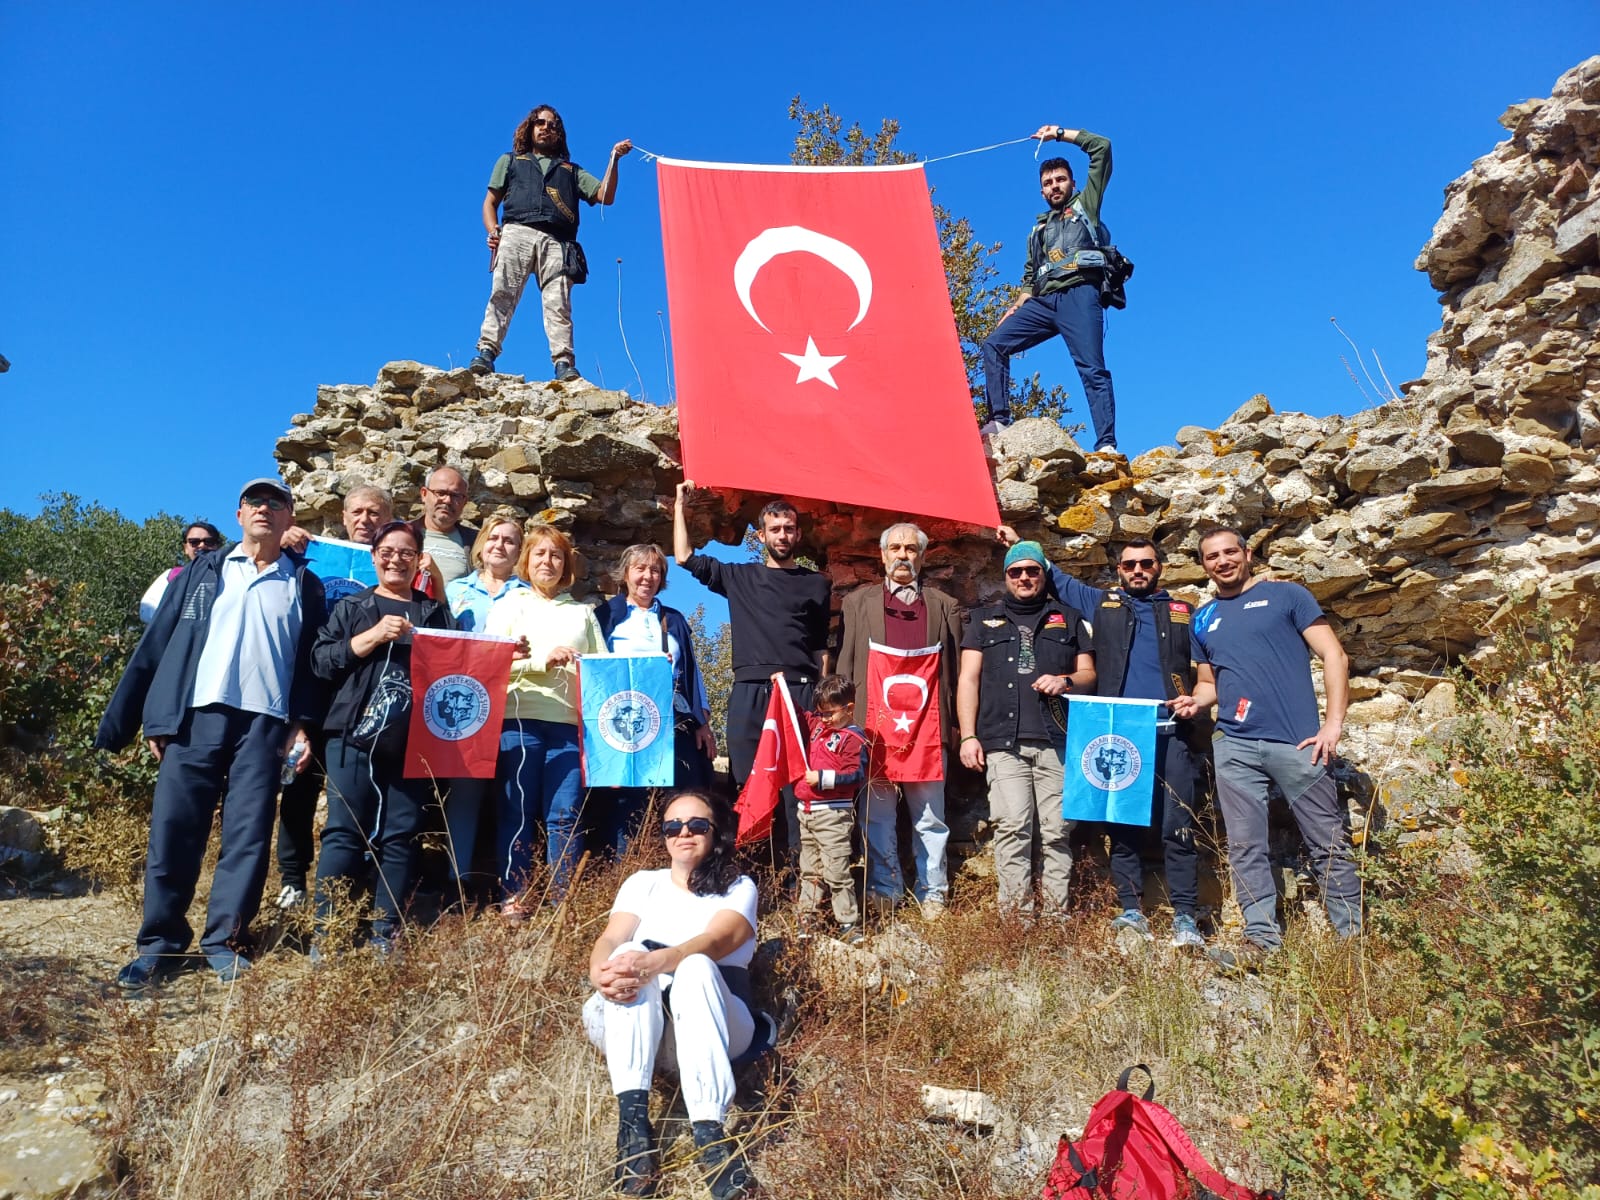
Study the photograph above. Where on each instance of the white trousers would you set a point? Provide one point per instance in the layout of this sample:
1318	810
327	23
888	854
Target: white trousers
710	1026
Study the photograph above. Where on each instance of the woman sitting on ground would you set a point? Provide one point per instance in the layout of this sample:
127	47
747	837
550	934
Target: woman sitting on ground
678	945
538	769
635	622
364	651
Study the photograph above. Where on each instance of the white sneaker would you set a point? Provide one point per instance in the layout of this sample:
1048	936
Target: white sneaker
290	897
993	428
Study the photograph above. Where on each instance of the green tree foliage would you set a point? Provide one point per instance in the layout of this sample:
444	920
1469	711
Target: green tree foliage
978	297
714	654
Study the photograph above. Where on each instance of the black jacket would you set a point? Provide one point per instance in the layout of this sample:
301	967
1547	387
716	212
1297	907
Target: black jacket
159	680
352	675
1113	637
1058	639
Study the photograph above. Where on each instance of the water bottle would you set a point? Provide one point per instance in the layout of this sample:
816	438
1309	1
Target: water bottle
291	761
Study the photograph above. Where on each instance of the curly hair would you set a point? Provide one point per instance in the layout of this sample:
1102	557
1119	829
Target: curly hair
522	139
717	872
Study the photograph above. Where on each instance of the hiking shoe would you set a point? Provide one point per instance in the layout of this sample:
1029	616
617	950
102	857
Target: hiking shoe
1132	918
290	897
145	971
566	372
637	1167
228	965
482	364
880	907
851	934
1186	934
514	912
932	909
727	1174
384	945
1244	959
994	426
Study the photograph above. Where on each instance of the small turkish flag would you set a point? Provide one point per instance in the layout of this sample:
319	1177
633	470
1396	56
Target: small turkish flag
815	349
903	711
780	760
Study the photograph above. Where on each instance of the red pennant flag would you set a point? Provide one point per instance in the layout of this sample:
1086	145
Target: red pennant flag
903	711
780	760
458	701
815	349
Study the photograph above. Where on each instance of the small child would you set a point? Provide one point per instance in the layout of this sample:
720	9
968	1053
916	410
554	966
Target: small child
837	752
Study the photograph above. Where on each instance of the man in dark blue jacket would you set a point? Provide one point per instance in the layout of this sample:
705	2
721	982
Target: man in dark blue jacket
220	682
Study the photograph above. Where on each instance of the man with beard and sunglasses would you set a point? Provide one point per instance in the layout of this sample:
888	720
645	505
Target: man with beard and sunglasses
1142	651
1018	658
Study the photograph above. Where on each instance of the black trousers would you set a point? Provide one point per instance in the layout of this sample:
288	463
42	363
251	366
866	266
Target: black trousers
297	812
1172	822
747	712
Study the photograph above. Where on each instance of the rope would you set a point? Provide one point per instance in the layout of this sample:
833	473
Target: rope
624	333
652	156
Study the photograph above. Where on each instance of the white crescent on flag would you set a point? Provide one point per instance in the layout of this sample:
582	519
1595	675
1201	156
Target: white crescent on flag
902	720
769	723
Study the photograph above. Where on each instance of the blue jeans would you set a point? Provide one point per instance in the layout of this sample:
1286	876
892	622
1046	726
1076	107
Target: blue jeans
1076	315
879	808
539	787
1246	771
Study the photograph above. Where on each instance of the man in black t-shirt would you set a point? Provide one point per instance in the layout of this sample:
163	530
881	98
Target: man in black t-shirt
779	614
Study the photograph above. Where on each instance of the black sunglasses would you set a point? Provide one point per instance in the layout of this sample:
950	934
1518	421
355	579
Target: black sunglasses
1024	572
205	541
699	826
1144	564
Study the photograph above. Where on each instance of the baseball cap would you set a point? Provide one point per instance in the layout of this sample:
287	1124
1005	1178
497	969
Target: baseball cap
270	484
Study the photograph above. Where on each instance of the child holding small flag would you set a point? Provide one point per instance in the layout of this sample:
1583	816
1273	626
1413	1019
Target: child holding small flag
838	755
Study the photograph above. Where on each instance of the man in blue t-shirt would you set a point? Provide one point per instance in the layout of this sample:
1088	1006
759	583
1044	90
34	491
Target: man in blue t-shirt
1251	644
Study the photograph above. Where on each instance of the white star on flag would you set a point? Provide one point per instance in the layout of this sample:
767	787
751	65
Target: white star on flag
815	365
902	724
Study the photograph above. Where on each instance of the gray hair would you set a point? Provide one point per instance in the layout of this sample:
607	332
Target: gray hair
922	538
641	550
369	489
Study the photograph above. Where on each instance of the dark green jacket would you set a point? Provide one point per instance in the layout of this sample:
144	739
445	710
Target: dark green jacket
1087	199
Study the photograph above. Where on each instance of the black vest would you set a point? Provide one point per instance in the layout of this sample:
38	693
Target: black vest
1056	648
546	202
1113	638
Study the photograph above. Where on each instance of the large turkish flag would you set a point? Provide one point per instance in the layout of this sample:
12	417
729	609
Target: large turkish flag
815	350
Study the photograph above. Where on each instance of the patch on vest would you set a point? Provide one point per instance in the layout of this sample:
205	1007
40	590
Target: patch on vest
994	622
1055	621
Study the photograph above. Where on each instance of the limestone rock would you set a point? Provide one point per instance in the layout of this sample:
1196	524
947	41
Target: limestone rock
43	1157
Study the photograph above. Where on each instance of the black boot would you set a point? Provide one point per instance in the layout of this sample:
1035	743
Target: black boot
635	1172
727	1174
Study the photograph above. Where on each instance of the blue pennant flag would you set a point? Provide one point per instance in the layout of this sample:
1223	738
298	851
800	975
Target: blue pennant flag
1110	761
345	568
625	701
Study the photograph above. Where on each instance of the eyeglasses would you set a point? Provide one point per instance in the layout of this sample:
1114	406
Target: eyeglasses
698	826
200	543
452	497
388	555
1143	564
1024	572
275	503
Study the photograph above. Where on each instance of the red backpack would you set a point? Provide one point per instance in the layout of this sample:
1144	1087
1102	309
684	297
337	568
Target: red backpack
1133	1149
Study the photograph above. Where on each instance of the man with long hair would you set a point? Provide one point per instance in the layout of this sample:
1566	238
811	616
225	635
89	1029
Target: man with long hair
531	215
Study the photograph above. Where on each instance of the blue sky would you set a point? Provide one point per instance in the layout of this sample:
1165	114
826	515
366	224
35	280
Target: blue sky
206	211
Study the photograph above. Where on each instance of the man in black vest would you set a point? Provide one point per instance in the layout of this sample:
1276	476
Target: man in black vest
540	187
1141	651
1059	296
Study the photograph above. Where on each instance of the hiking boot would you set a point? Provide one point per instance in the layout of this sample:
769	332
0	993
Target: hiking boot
384	945
482	364
851	934
1186	934
1245	959
228	965
146	971
880	907
637	1166
932	909
727	1174
995	425
566	372
1132	918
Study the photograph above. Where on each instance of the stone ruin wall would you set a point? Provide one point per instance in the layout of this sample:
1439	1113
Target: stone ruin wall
1419	525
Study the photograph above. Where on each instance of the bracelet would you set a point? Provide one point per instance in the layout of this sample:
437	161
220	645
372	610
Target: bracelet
971	737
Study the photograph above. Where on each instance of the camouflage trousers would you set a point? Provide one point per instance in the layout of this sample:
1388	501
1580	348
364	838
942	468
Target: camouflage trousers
526	253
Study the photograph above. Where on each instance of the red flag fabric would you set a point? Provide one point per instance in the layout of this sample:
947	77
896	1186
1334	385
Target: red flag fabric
815	349
458	701
780	760
903	711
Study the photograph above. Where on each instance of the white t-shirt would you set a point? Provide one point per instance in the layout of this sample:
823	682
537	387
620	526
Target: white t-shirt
670	914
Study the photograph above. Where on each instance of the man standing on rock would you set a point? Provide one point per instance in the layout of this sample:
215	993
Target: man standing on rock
1060	296
1018	658
1141	651
446	538
1251	643
778	611
904	614
221	682
539	187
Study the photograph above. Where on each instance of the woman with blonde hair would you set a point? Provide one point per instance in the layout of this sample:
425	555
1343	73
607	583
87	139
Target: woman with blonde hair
538	770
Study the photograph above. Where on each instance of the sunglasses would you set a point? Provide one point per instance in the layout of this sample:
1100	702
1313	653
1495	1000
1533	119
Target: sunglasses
275	503
199	543
699	826
1024	572
1143	564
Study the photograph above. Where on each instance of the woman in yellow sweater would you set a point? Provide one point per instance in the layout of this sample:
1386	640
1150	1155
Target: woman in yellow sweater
538	772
